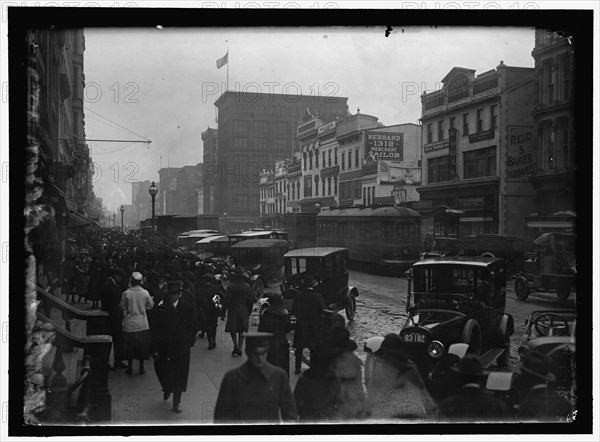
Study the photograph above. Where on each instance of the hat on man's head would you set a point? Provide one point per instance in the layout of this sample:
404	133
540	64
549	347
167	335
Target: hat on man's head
84	251
115	270
307	280
470	367
175	287
392	350
339	337
257	340
137	276
537	365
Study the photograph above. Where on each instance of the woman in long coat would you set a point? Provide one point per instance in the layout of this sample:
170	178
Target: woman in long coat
97	278
238	306
82	280
173	328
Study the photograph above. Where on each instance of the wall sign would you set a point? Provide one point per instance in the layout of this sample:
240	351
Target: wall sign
438	145
458	87
385	146
521	162
452	152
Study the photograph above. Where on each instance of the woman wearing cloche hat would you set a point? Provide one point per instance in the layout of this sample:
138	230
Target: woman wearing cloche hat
136	301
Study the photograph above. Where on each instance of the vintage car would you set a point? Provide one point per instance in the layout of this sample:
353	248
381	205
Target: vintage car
550	267
261	260
457	300
329	265
512	248
552	333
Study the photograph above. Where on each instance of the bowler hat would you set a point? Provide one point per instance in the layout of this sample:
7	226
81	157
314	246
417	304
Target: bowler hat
257	339
174	287
536	364
470	366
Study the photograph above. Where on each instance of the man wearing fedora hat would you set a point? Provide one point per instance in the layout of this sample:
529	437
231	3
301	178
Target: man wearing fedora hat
540	403
173	330
257	391
307	308
276	320
472	403
111	299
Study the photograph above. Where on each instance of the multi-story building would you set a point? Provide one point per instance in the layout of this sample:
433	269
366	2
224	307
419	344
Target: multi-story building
478	152
55	124
166	200
553	170
293	177
210	179
141	201
189	185
351	144
255	131
267	198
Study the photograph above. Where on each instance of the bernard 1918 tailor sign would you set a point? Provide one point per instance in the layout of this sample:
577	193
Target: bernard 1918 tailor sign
385	146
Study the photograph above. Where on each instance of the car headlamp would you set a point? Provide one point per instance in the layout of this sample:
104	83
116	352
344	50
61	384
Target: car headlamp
435	349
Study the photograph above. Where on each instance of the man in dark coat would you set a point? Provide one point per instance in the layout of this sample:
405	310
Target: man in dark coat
307	309
173	330
111	299
276	320
540	403
210	299
256	392
471	403
238	306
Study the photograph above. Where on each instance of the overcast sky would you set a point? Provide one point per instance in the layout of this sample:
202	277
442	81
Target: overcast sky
162	84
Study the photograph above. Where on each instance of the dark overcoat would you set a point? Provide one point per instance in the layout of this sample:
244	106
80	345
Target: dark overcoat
319	396
307	309
276	320
208	313
173	332
111	298
251	395
238	306
542	404
472	404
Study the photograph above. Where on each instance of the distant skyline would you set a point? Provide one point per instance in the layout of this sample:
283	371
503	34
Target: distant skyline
161	84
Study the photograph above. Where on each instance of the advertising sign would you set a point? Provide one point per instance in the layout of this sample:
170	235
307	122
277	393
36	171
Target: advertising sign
521	162
452	152
385	145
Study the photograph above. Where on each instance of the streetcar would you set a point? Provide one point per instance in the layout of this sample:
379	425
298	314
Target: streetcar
379	239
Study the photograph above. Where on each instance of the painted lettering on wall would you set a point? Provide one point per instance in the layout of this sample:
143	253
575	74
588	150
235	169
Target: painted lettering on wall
521	162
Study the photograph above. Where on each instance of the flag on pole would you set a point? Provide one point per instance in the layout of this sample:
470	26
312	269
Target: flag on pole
222	61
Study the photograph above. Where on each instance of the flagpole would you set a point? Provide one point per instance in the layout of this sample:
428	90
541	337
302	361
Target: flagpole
227	66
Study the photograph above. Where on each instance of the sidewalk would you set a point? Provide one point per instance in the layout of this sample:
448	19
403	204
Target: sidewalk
137	399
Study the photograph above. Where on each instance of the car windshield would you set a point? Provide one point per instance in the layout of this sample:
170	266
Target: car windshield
450	279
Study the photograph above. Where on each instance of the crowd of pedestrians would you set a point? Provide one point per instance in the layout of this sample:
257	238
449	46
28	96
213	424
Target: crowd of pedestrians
159	303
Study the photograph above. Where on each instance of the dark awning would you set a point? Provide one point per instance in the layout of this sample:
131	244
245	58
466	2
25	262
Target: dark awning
77	220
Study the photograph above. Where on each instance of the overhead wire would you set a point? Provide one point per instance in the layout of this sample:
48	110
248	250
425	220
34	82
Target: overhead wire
117	124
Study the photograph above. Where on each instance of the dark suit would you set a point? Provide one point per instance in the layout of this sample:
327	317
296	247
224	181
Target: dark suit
472	404
542	404
111	298
307	308
173	333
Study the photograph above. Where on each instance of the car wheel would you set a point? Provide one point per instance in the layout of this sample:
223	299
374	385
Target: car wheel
487	255
521	288
472	335
258	289
563	290
351	308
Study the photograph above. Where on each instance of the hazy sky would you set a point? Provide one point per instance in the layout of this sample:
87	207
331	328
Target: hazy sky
162	84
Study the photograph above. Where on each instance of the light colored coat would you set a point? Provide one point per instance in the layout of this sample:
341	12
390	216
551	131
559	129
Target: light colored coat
134	303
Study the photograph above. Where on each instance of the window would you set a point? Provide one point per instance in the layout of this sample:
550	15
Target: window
280	144
364	196
335	188
329	186
437	169
344	190
564	71
310	157
316	159
356	162
307	186
261	127
493	116
549	82
430	133
324	163
343	160
452	121
465	124
480	162
316	186
305	161
357	187
329	158
440	130
335	155
281	127
349	160
373	194
240	143
261	143
240	201
479	120
240	125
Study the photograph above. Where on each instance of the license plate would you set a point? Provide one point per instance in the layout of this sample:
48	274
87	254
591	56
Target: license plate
414	338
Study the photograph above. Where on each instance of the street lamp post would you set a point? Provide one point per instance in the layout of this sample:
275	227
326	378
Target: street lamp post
317	209
153	191
122	210
114	218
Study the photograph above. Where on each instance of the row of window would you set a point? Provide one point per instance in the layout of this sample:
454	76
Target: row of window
242	143
350	189
368	195
442	132
262	127
476	163
394	232
554	80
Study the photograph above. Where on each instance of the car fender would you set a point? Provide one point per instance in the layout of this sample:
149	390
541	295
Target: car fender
459	349
350	290
373	344
506	326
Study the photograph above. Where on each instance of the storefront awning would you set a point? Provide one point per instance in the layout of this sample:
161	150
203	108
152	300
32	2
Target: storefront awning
77	220
550	224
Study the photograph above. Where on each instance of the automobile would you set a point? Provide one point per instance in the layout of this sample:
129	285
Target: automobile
262	261
444	246
512	248
551	267
552	333
457	300
329	266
